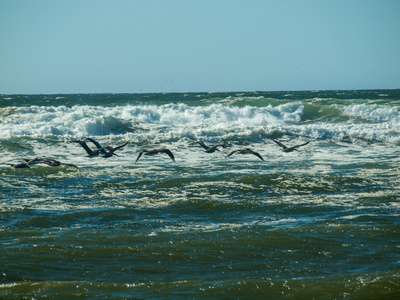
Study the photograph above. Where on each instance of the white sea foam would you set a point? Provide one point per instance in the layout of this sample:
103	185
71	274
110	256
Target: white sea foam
88	120
179	120
375	113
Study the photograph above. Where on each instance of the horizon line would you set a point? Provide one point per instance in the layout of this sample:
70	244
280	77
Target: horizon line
203	92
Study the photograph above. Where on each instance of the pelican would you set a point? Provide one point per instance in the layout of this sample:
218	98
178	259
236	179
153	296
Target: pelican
289	149
110	149
21	165
154	152
52	162
28	162
17	166
90	152
100	149
246	151
207	148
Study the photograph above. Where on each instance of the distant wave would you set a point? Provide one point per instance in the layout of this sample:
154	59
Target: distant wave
375	113
95	120
180	120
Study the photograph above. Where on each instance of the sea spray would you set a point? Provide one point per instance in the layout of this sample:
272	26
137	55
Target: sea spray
323	220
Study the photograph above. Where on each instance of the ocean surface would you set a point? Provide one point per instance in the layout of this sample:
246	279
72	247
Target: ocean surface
322	222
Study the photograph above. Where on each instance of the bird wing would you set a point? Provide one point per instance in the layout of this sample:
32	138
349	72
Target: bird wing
119	147
18	166
26	164
33	161
280	144
233	152
70	165
301	145
4	162
169	153
201	143
140	154
96	143
54	163
212	149
84	146
99	147
257	154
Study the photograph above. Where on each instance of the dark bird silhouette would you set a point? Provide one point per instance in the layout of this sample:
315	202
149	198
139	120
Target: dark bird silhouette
90	152
208	149
289	149
110	149
100	150
154	152
52	162
21	165
28	162
246	151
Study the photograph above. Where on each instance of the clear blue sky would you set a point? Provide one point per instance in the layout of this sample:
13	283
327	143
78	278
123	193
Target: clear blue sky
133	46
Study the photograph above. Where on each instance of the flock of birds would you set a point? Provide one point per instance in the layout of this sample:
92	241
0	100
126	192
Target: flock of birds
109	151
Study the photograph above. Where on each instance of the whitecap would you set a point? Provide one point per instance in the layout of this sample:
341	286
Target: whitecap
375	113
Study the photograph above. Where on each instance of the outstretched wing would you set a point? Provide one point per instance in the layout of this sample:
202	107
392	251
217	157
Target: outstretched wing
6	162
257	154
201	143
212	149
119	147
99	147
140	154
301	145
55	163
169	153
34	161
233	152
280	144
17	166
84	146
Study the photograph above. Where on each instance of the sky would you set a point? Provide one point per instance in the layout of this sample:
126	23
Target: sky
151	46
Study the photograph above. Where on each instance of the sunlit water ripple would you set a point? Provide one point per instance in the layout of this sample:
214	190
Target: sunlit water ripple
321	222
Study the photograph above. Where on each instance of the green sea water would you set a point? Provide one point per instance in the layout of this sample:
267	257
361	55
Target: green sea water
322	222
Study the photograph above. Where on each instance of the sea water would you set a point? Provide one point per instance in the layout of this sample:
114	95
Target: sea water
322	222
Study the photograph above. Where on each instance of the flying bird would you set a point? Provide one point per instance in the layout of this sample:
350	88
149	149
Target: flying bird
110	149
154	152
246	151
90	152
21	165
100	150
52	162
289	149
28	162
208	149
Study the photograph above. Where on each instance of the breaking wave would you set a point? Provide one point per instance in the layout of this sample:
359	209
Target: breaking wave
180	120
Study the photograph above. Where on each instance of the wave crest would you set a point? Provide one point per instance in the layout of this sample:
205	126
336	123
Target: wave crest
374	113
174	121
94	120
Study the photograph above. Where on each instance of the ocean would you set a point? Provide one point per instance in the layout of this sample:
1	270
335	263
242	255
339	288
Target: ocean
321	222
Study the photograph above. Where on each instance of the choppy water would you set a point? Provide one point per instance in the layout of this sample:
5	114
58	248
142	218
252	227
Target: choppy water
322	222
